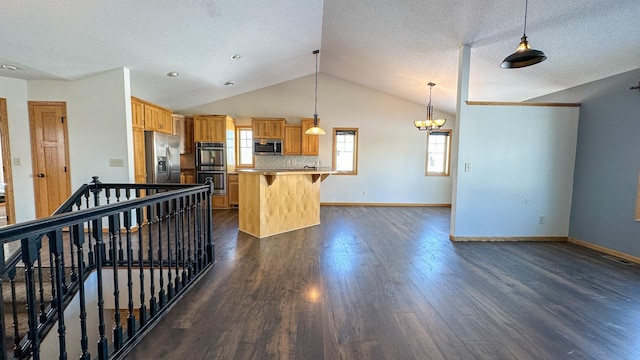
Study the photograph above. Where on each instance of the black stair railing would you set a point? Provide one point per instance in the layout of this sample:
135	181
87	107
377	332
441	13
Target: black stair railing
115	255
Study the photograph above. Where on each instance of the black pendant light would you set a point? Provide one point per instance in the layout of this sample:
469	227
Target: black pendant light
315	130
524	55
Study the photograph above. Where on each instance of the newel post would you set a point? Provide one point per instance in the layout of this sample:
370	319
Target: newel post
209	240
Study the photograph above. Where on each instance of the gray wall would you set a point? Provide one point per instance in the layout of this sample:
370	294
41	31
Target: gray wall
607	162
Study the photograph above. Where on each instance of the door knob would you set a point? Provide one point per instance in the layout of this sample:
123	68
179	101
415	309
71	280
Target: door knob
41	175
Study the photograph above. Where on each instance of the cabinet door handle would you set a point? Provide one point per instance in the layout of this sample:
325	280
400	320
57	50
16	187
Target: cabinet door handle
41	175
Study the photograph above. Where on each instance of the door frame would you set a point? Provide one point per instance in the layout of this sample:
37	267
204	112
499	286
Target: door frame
34	149
9	201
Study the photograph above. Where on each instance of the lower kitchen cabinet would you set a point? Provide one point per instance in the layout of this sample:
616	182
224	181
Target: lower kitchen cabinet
219	201
233	190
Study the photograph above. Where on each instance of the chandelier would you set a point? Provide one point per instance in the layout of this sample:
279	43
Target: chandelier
430	123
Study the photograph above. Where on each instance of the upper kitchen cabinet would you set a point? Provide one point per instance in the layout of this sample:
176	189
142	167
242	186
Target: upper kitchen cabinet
292	137
310	143
211	128
267	128
151	116
146	116
183	127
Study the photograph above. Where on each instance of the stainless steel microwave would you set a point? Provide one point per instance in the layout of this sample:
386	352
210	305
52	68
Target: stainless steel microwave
267	147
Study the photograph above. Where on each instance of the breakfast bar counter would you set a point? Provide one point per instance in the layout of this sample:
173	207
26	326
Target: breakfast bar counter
273	201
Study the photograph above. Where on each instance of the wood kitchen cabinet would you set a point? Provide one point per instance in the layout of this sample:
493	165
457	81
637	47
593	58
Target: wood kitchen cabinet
146	116
292	140
267	128
211	128
158	119
219	202
139	165
310	143
233	189
183	127
188	176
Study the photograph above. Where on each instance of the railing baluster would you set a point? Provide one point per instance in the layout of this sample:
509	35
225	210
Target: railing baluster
180	249
78	238
120	250
198	248
114	233
183	248
131	319
191	223
103	347
209	216
74	274
30	249
43	314
143	307
17	351
161	294
90	246
56	248
168	215
3	332
153	304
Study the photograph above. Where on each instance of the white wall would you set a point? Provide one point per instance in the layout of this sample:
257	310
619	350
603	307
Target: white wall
391	154
522	161
15	91
99	123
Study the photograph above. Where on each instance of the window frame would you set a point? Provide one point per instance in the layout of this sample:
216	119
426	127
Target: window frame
447	153
355	151
240	128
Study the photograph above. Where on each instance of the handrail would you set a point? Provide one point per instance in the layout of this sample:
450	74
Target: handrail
38	227
160	231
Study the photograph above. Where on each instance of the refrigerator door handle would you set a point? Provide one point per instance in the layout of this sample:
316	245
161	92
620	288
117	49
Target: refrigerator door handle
169	164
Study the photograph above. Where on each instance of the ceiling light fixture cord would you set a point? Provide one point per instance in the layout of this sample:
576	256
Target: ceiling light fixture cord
315	108
526	7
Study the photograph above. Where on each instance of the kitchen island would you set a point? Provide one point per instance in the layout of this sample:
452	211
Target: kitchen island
274	201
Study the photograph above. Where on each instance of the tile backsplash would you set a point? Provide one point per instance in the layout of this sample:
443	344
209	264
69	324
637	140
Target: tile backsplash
286	162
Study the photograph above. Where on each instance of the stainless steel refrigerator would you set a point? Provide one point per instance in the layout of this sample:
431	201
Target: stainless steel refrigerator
162	152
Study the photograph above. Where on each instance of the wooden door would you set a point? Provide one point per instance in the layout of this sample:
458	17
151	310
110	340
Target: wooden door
6	163
50	153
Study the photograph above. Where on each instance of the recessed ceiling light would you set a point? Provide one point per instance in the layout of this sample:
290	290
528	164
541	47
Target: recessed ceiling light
236	56
8	67
172	74
230	83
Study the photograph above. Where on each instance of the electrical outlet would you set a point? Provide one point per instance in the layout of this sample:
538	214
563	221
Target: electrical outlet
467	167
541	219
364	192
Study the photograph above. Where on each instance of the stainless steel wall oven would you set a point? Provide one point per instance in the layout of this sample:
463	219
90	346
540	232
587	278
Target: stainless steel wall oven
211	162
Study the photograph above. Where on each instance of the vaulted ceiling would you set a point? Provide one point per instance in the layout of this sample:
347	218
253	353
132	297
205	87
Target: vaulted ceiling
393	46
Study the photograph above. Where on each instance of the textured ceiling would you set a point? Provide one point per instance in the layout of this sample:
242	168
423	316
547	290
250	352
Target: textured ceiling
393	46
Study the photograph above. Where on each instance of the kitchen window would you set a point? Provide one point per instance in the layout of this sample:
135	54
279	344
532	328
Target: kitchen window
244	148
345	151
438	153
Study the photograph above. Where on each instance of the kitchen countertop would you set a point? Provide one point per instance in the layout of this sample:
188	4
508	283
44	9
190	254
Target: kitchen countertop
271	174
287	171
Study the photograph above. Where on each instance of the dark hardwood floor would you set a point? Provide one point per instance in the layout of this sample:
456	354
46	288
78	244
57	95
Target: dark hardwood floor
386	283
